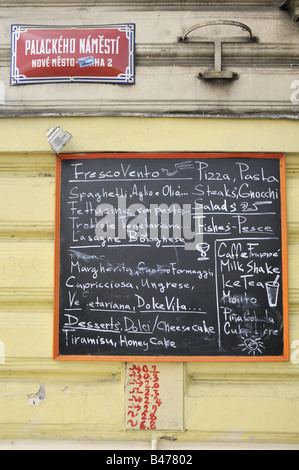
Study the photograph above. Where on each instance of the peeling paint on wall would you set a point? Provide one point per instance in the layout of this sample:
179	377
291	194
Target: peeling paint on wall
36	398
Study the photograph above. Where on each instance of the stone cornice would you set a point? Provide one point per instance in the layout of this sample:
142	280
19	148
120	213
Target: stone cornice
142	4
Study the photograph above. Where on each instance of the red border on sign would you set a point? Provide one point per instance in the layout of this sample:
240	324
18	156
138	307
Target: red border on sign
89	54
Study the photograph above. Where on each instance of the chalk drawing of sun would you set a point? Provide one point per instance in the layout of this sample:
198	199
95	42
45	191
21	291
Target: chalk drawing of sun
253	346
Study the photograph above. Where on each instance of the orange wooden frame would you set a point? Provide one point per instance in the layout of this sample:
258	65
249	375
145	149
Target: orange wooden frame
284	242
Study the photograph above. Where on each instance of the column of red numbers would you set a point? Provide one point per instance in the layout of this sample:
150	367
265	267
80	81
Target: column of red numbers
144	396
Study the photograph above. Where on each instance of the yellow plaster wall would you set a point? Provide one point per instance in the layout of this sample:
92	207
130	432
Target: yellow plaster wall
222	402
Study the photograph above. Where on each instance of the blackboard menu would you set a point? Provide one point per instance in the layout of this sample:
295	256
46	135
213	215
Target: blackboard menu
171	257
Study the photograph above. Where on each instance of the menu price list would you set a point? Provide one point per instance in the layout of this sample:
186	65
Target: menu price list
146	295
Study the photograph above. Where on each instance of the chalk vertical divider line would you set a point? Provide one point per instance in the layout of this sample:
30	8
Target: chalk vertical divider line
217	294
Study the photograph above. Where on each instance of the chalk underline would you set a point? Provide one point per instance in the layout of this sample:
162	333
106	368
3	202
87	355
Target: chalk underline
129	180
